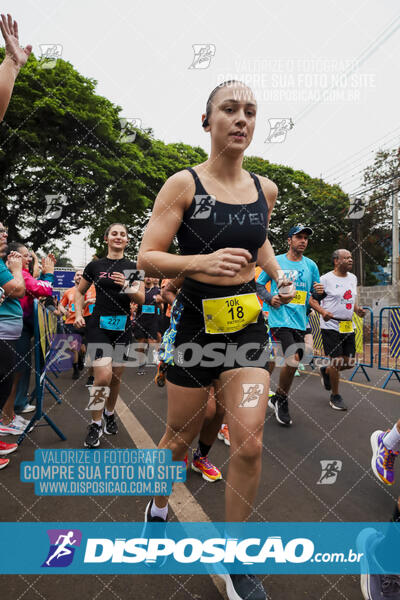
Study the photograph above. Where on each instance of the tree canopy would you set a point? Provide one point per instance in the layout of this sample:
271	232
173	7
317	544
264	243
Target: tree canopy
306	200
380	181
60	138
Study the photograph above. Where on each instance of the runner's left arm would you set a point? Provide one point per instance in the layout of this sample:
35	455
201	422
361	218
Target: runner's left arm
266	255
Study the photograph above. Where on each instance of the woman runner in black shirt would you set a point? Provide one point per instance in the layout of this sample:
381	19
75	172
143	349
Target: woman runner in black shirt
109	332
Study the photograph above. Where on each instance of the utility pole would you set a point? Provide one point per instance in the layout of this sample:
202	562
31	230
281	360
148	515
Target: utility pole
356	213
395	227
357	254
395	237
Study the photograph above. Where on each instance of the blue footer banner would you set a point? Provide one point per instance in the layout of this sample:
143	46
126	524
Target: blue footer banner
199	548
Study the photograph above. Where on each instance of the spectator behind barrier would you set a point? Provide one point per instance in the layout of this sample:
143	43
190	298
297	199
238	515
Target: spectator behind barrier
12	282
18	399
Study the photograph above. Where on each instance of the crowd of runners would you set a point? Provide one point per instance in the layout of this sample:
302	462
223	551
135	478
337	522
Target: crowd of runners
213	318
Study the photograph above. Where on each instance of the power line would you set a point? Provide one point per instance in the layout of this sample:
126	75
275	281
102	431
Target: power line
345	160
348	179
360	191
363	158
381	39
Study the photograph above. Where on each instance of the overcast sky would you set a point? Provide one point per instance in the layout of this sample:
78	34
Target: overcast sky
292	54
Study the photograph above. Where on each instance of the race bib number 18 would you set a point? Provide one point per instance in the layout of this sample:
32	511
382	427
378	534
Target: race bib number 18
230	314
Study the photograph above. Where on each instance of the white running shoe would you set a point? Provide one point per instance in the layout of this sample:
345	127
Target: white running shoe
13	428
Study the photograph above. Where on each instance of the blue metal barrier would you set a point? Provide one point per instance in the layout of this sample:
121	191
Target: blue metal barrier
369	356
42	347
392	351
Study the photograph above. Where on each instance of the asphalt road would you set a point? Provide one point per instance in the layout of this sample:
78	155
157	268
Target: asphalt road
289	489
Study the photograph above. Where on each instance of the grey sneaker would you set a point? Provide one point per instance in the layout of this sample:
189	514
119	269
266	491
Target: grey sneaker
337	403
244	587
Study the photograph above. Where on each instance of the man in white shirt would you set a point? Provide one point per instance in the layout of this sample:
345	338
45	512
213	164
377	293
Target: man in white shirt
339	304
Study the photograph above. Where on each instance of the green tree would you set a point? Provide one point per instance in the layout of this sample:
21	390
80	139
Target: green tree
61	138
157	162
303	199
380	181
61	259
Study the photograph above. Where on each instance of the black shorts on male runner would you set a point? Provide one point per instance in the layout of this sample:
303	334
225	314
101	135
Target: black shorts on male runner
289	338
338	344
247	348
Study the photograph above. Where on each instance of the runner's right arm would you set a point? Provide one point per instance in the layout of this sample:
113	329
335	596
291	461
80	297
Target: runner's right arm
173	199
318	308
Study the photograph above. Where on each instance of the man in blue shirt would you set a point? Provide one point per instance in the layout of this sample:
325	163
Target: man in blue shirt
288	322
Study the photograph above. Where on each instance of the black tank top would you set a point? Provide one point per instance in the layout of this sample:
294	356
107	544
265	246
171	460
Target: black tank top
149	309
209	225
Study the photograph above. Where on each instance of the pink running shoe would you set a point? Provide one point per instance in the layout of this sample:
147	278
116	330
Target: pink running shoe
201	464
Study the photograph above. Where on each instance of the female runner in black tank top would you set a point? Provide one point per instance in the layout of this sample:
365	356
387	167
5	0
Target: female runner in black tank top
219	213
109	333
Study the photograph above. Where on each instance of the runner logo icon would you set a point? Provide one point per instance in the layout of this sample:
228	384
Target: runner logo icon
278	129
330	471
251	394
203	54
204	204
63	543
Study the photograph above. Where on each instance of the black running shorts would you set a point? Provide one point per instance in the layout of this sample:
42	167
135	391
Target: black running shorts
338	344
103	342
289	338
199	358
146	329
